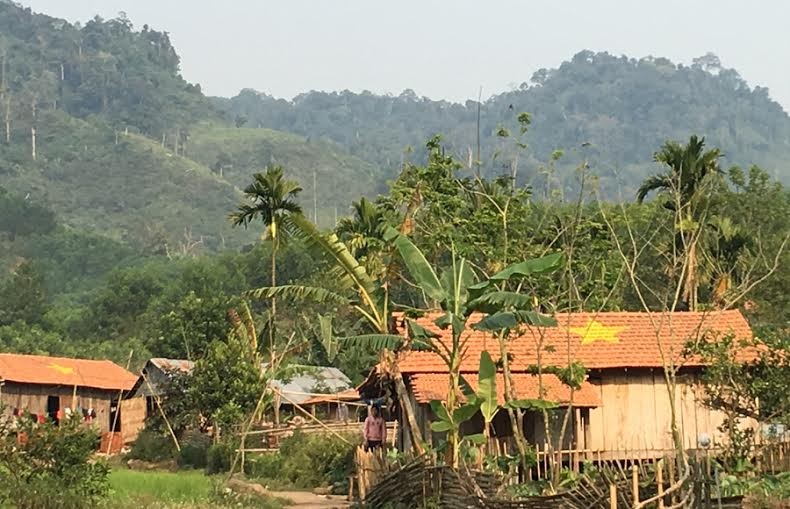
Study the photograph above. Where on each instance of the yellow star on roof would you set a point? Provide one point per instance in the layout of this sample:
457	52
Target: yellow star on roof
596	331
65	370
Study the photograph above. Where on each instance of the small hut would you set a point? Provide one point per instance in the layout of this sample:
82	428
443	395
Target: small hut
53	387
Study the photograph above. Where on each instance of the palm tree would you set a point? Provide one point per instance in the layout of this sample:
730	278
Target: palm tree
687	186
273	200
363	233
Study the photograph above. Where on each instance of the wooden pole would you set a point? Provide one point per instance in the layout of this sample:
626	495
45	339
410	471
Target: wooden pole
612	496
660	483
635	484
118	409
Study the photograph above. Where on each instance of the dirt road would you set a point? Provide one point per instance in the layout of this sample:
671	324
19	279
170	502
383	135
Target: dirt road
307	500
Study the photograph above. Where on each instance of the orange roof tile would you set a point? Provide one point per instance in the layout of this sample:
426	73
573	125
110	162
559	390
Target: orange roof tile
597	340
431	386
39	369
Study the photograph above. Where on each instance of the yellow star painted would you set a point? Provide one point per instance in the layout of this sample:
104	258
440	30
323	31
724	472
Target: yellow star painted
596	331
65	370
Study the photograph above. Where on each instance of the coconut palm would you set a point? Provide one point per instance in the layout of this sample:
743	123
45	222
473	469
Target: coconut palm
273	200
687	185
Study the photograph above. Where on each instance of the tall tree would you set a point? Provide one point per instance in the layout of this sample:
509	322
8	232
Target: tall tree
687	185
273	199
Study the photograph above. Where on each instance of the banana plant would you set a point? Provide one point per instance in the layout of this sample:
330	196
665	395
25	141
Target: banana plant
358	290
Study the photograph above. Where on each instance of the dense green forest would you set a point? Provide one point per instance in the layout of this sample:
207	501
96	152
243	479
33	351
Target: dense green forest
117	180
619	108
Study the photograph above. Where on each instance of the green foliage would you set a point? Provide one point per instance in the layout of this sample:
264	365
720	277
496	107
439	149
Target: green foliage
620	108
152	446
20	217
316	459
219	457
226	383
53	468
184	489
22	297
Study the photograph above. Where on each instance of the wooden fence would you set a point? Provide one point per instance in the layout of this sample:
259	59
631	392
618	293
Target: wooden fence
624	479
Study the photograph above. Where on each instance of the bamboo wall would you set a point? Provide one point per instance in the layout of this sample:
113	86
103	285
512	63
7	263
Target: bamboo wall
636	413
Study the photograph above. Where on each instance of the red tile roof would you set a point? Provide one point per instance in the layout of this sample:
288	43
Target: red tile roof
597	340
39	369
430	386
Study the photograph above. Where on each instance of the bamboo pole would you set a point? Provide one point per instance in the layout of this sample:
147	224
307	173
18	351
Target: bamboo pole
111	433
612	496
660	483
635	484
309	415
161	412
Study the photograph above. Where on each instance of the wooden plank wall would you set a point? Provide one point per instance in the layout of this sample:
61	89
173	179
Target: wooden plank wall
33	398
635	412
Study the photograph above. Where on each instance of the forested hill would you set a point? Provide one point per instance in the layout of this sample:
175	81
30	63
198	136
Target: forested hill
97	123
623	107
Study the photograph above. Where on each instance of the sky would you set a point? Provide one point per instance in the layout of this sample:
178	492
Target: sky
442	49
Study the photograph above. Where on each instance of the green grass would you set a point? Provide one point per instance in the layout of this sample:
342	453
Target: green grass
184	489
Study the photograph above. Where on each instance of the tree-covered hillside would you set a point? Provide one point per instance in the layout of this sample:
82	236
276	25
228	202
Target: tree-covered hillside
623	107
97	123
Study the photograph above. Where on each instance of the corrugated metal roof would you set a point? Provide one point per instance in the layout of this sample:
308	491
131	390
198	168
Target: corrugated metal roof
309	380
597	340
44	370
172	364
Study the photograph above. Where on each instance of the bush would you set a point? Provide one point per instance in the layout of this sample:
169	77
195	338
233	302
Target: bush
264	466
315	459
194	450
52	468
218	458
152	446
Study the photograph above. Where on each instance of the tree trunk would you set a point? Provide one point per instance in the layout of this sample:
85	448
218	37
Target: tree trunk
33	131
8	119
272	316
690	283
516	417
407	410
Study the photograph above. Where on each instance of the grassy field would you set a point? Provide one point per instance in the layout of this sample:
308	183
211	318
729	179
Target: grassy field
184	490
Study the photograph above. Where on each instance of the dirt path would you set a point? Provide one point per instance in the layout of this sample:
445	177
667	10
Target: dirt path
307	500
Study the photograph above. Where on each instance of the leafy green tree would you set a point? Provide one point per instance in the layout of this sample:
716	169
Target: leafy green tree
20	216
226	383
22	296
688	186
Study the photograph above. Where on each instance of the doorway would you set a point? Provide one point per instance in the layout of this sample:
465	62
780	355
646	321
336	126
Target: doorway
53	406
115	415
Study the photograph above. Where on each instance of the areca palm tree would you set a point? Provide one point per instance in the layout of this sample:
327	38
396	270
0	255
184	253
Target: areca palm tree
687	185
273	200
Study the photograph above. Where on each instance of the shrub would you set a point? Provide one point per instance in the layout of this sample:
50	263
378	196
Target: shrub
152	446
52	468
194	450
315	459
218	458
264	466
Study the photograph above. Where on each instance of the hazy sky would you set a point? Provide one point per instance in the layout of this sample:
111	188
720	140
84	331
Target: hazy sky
444	49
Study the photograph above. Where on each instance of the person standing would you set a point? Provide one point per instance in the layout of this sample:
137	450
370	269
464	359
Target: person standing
375	430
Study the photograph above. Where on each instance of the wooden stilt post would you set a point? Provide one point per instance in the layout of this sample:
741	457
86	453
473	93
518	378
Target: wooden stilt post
635	484
660	483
